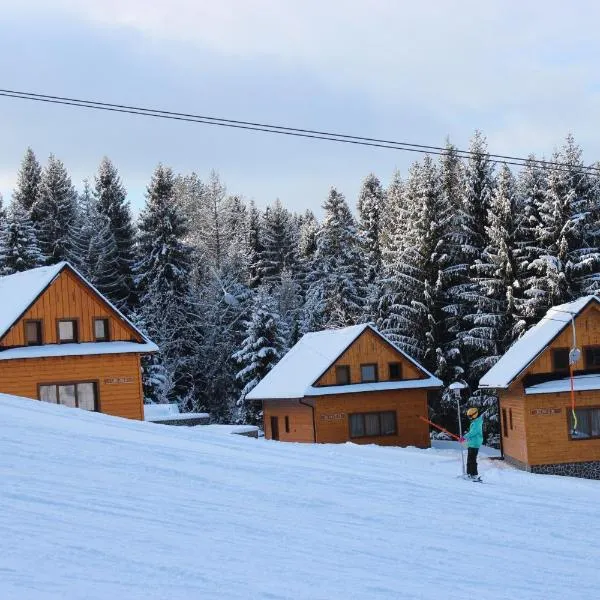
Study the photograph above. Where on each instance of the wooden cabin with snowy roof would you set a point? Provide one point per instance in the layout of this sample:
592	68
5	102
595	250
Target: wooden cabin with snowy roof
62	342
533	381
350	384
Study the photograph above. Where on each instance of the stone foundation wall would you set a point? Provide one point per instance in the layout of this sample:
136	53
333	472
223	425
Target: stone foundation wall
587	470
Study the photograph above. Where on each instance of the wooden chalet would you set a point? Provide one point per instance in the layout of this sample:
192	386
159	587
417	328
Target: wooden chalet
62	342
533	382
349	384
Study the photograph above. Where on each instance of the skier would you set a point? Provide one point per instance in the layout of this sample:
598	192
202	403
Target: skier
474	439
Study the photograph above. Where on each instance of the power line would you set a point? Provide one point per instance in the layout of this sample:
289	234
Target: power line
292	131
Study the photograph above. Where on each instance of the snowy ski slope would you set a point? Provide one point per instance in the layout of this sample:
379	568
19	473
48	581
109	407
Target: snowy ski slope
97	507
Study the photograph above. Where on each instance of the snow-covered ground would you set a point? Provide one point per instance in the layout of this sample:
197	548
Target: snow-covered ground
97	507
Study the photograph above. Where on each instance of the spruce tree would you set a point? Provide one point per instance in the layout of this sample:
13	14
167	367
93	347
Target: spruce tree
530	304
255	247
19	249
111	203
260	351
570	264
277	249
163	280
336	294
28	181
54	212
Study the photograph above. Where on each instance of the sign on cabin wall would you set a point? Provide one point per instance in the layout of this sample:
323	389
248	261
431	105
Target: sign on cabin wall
546	411
118	380
333	417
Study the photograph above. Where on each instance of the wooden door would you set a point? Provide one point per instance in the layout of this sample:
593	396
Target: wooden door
274	428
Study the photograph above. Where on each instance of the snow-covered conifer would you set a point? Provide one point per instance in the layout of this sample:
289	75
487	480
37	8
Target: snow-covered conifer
54	212
28	181
261	349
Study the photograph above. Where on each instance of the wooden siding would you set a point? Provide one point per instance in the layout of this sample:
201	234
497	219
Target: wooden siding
22	377
369	348
548	440
300	417
68	298
587	328
515	443
332	419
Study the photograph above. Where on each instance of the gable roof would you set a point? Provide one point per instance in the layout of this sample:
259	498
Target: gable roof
294	375
526	349
18	292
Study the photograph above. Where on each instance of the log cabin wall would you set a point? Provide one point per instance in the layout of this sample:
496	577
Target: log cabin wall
299	417
513	423
548	429
332	417
117	376
369	348
67	298
587	329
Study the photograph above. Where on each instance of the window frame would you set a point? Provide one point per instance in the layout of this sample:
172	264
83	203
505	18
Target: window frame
587	349
56	385
375	366
338	369
581	439
399	365
106	321
376	412
75	322
556	369
40	325
287	424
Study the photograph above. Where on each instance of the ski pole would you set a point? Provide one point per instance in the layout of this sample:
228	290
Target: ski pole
439	427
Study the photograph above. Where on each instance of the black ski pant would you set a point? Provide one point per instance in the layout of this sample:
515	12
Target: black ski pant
472	461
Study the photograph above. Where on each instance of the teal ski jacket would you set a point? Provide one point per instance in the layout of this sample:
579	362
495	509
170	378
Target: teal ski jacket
474	436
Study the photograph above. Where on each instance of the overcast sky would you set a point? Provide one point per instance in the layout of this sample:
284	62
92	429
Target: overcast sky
526	73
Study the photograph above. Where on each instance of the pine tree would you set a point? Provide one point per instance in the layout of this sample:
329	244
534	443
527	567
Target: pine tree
476	200
336	294
163	280
277	250
570	264
19	249
28	181
111	203
255	248
262	348
307	247
530	304
54	212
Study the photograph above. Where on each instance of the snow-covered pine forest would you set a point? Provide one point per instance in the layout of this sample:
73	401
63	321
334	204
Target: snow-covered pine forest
453	260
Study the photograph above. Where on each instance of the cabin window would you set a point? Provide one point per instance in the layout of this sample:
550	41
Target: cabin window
504	423
395	371
560	359
342	375
33	333
588	424
510	419
368	373
592	357
287	424
82	395
372	424
67	331
101	330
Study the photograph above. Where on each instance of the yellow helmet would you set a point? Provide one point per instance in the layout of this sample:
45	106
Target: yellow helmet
472	413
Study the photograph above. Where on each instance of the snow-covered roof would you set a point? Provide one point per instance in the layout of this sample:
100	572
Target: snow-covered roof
294	375
581	383
525	350
20	290
82	349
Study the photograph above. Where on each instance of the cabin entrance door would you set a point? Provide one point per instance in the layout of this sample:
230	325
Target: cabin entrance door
274	428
